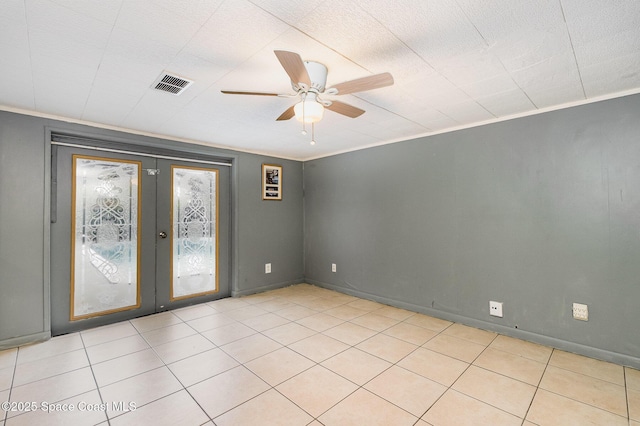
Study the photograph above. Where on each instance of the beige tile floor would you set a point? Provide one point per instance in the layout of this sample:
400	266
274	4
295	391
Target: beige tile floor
304	355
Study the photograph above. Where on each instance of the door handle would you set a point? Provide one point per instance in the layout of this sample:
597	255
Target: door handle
162	234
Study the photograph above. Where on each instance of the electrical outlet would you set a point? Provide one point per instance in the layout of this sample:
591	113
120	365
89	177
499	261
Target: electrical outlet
495	309
581	312
333	267
267	268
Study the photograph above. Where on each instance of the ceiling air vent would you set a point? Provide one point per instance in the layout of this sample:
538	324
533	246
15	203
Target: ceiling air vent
171	83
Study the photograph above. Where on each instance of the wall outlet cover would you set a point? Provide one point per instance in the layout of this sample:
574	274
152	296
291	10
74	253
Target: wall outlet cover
267	268
333	267
495	309
580	312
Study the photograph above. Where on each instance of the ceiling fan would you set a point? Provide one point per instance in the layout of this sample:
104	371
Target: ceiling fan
308	79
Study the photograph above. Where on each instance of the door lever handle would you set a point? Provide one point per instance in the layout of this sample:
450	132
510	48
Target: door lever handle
162	234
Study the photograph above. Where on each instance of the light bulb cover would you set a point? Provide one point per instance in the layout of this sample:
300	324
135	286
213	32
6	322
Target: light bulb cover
310	109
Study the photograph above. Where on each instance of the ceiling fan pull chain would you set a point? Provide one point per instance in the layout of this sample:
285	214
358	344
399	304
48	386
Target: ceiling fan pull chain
304	129
313	133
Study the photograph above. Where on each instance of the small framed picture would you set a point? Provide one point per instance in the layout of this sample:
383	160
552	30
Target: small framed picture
271	182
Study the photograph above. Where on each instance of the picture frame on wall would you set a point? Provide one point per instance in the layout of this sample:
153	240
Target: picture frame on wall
271	182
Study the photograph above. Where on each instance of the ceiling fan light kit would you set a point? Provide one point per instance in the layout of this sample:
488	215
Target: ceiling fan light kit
308	80
309	110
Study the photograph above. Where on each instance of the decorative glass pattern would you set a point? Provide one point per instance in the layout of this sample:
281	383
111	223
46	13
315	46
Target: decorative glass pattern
105	236
194	235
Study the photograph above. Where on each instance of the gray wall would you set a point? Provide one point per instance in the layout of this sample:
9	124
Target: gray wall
22	208
537	212
270	231
264	231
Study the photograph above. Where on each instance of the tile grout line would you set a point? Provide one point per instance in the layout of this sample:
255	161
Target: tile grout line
394	364
5	417
242	364
626	394
171	371
315	363
150	347
628	418
93	374
381	332
50	377
270	387
362	386
319	364
539	382
450	387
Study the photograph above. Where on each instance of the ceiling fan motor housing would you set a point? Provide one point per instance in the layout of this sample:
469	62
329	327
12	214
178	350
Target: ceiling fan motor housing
317	74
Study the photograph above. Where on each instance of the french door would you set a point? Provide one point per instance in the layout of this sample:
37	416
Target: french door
134	235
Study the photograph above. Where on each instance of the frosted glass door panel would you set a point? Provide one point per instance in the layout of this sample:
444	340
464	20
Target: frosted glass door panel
194	234
105	248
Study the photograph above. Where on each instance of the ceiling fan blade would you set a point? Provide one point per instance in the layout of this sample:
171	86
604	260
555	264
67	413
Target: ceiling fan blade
293	65
232	92
287	114
345	109
365	83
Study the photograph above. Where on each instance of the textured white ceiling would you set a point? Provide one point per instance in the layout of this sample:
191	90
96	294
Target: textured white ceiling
456	63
